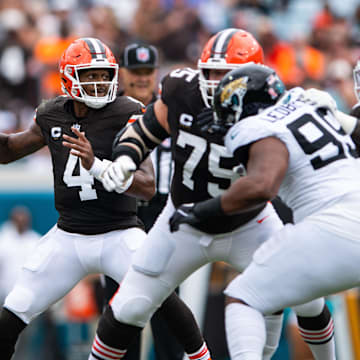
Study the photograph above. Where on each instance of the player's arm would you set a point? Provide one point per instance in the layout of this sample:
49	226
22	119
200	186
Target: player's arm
143	135
18	145
143	181
134	143
143	185
266	168
350	123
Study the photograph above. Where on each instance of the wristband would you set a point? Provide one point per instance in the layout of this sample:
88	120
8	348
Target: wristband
98	168
209	208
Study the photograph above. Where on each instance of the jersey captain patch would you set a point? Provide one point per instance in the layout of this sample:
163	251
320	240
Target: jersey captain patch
56	132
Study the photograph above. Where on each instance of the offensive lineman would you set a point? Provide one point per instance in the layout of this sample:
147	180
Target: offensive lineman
203	170
97	231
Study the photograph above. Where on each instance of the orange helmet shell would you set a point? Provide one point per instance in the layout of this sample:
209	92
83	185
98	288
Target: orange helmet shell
235	46
226	50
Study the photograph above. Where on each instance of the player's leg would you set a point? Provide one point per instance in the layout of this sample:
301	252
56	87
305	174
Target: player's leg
49	273
182	324
288	270
166	345
316	327
116	255
158	267
110	287
245	241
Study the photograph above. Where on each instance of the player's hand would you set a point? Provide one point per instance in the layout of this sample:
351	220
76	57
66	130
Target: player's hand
207	123
183	215
205	119
80	147
319	99
118	175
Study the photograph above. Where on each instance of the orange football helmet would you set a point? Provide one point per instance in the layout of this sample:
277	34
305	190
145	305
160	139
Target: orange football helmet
85	54
225	51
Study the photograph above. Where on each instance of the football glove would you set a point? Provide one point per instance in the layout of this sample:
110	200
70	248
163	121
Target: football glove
205	118
183	215
207	123
319	99
195	214
119	175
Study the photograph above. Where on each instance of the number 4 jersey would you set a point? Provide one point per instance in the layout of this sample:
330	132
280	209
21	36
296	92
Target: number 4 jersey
323	164
83	204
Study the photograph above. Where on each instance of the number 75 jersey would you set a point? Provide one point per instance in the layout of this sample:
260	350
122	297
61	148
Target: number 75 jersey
323	164
203	168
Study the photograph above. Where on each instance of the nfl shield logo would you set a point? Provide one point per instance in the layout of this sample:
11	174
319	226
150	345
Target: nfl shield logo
142	54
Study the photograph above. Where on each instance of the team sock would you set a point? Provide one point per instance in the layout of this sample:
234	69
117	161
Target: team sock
318	332
202	354
101	351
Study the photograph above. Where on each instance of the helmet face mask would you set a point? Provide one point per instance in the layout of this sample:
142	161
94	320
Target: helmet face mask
244	92
88	54
356	74
226	51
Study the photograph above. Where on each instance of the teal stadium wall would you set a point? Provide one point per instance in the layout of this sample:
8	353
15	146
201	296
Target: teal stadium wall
41	205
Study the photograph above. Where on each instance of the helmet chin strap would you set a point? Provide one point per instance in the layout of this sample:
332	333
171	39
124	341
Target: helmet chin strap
94	104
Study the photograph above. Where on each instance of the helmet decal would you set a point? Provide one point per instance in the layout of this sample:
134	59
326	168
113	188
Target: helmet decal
233	93
275	86
97	49
220	45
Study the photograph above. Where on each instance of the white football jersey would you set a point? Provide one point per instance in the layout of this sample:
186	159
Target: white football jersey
322	158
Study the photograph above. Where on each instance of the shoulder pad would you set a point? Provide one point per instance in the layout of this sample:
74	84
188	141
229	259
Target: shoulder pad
177	82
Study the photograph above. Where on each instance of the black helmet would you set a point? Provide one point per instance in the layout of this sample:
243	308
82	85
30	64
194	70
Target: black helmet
244	91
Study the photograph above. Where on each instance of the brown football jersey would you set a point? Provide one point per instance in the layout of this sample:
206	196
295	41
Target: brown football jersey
203	167
83	204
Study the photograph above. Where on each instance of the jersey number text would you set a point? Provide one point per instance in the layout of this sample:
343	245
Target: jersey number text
84	180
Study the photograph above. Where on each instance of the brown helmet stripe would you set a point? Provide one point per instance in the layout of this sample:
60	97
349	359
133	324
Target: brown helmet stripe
97	49
221	43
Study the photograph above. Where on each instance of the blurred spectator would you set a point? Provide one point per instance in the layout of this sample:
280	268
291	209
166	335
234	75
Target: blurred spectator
294	61
16	242
16	79
355	27
176	33
339	83
17	239
105	26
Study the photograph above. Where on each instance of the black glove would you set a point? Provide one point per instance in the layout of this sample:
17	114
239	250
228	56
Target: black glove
183	215
205	119
207	123
196	214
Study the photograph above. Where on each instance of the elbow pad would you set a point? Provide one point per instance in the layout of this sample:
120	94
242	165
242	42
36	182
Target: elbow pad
139	138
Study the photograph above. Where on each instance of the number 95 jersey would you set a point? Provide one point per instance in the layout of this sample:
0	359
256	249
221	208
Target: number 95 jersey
323	164
203	168
84	206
